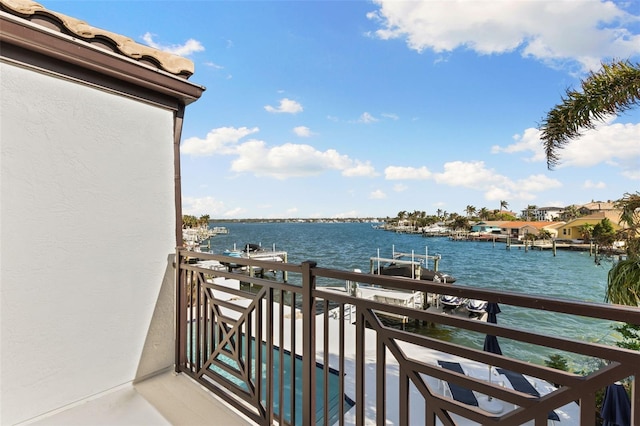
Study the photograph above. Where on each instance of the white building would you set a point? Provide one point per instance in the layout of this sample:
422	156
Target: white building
544	214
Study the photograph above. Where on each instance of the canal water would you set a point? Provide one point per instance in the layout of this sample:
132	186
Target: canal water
568	275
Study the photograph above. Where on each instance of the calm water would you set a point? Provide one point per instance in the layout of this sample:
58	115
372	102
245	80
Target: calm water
568	275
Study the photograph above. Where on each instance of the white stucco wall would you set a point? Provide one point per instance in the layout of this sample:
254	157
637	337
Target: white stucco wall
86	224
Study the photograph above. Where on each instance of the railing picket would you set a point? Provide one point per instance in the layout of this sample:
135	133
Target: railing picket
381	383
341	371
403	400
308	344
635	400
269	364
360	325
587	410
294	390
281	356
325	363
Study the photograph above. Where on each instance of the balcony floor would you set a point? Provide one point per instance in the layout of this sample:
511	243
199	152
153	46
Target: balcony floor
165	399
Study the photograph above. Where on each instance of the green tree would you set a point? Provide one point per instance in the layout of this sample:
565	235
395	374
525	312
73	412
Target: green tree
544	234
623	280
459	222
586	231
603	233
613	89
470	210
483	213
189	221
204	220
569	213
529	212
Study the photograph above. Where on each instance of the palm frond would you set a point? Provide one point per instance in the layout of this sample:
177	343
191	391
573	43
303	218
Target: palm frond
623	284
612	90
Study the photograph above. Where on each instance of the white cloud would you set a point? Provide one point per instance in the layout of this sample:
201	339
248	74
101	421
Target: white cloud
288	160
588	184
632	174
554	32
201	206
302	131
360	168
366	118
377	195
213	65
343	215
186	49
286	106
222	140
476	176
406	173
615	144
529	141
237	212
399	187
280	162
390	116
468	174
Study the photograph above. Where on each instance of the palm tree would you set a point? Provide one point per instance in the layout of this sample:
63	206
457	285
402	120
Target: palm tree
471	210
503	205
623	281
586	231
529	210
570	212
483	213
544	234
612	90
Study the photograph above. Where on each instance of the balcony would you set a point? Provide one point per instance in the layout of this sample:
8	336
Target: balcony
308	350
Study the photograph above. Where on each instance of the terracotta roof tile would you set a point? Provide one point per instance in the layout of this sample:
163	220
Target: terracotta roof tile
125	46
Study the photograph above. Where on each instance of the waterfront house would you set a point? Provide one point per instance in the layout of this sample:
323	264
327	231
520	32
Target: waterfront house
518	229
572	229
488	227
596	206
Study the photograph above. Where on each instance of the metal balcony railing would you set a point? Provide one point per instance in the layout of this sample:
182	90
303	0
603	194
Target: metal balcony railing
309	351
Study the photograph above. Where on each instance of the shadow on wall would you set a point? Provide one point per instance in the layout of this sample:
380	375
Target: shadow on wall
159	347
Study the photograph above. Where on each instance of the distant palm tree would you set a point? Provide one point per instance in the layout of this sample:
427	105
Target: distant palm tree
544	234
586	231
503	205
529	210
471	210
483	213
614	89
570	212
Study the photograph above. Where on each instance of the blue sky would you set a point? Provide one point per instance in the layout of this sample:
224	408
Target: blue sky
367	108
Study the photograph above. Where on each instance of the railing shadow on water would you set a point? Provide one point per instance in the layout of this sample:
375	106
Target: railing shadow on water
304	354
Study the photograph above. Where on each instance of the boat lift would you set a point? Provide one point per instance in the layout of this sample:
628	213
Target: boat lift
397	257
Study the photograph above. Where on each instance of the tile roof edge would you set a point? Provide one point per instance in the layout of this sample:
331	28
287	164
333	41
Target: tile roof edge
169	62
